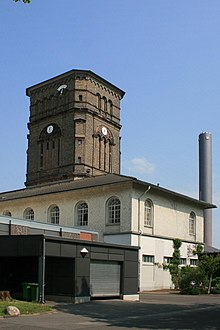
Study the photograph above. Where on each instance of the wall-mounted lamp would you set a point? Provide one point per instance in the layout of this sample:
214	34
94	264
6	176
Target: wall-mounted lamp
84	252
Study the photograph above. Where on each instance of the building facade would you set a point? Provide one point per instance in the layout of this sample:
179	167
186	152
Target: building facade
123	210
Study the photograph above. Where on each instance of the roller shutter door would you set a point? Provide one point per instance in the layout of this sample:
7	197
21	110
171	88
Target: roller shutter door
105	278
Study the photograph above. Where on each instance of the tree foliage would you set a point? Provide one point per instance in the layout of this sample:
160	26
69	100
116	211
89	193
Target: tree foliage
192	280
25	1
209	264
174	265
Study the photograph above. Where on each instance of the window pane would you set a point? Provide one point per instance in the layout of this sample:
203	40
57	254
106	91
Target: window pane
29	214
148	213
54	215
114	211
192	223
82	214
167	260
148	258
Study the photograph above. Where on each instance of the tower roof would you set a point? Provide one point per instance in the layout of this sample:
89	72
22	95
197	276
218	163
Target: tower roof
75	73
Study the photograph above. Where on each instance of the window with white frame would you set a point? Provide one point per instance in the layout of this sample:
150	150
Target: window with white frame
148	259
193	262
167	260
148	213
113	210
192	223
54	214
82	214
183	261
29	214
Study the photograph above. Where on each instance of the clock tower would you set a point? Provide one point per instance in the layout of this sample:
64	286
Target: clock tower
74	128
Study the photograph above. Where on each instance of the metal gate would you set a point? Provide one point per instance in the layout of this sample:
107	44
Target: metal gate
105	278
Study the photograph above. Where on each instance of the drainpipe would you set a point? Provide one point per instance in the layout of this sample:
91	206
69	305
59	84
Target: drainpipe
41	274
140	233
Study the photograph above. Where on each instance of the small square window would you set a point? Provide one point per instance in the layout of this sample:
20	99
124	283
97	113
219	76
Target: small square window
80	97
79	141
193	262
167	260
148	258
79	160
183	261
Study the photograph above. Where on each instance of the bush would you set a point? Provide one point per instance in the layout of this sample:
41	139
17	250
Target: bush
192	281
216	285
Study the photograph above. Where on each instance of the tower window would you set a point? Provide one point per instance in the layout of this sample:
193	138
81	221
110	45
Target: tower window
49	147
80	97
79	160
98	101
110	107
105	104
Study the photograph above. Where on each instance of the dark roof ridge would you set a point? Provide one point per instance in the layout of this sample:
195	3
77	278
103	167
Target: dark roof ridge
106	179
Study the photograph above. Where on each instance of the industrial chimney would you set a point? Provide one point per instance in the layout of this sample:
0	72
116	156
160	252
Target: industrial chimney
205	181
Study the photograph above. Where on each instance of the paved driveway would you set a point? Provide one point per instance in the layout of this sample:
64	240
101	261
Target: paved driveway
154	311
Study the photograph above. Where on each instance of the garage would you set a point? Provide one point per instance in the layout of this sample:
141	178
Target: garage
68	269
105	278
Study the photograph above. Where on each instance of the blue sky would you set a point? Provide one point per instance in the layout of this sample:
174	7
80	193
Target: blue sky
165	54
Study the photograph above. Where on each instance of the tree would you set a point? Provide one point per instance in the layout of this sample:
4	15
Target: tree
25	1
174	265
192	280
209	264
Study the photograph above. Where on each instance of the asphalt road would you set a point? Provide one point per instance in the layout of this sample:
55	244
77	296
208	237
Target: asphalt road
154	311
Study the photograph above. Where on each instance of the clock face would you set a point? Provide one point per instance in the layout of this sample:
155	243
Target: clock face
104	130
49	129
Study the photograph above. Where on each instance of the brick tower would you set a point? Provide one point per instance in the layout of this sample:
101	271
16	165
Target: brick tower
74	128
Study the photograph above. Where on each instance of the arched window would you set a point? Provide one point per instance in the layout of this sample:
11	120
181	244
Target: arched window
82	214
29	214
110	107
98	101
148	213
192	223
54	214
49	145
7	213
105	104
113	210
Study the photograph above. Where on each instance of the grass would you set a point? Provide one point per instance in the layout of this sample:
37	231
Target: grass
24	307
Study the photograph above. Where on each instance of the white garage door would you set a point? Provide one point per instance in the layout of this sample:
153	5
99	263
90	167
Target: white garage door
104	278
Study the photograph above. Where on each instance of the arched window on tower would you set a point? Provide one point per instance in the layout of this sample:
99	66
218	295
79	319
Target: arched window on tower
49	147
98	101
110	107
103	149
105	104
